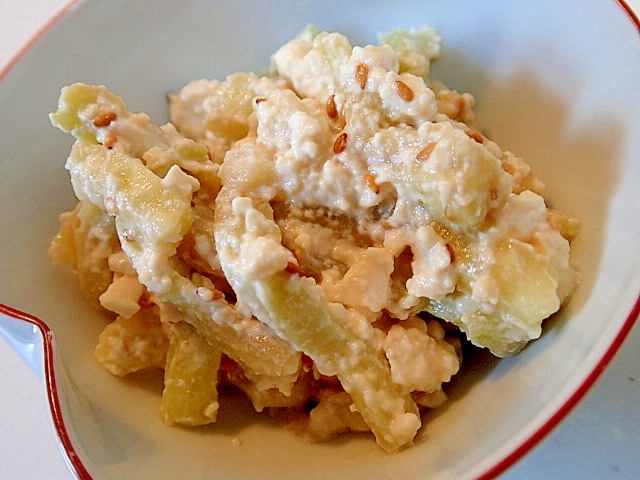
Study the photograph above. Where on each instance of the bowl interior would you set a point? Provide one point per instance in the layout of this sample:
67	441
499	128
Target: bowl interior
563	99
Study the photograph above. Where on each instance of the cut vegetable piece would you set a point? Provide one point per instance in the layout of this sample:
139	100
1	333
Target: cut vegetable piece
457	182
86	238
221	108
297	310
94	114
190	395
152	215
151	219
127	345
527	295
79	104
416	48
243	338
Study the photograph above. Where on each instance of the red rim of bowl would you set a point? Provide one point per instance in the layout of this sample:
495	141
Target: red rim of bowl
526	446
52	388
510	459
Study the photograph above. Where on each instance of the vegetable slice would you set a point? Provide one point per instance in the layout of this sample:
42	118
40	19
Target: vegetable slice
190	396
152	215
296	309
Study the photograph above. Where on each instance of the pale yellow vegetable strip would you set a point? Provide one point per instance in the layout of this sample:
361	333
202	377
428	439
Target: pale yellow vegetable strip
528	286
295	307
243	338
86	238
127	345
455	159
75	102
190	396
97	115
151	220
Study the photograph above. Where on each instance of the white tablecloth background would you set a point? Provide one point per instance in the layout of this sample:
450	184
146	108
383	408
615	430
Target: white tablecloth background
599	440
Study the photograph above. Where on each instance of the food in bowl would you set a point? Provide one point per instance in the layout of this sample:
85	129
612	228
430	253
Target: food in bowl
317	237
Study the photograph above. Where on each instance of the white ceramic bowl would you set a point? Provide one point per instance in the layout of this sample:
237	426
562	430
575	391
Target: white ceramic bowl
556	82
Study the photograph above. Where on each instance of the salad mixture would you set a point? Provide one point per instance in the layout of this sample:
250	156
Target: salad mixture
319	237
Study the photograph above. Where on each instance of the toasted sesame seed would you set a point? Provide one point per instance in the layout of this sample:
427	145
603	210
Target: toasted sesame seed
452	253
370	181
475	136
404	91
110	141
217	294
340	144
104	119
509	168
424	154
362	73
332	110
293	268
461	104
